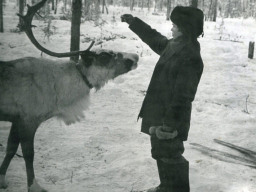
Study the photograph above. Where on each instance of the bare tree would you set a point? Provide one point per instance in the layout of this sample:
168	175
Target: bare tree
1	17
75	27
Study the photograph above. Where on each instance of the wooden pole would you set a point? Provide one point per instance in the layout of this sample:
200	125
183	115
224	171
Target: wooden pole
1	17
251	50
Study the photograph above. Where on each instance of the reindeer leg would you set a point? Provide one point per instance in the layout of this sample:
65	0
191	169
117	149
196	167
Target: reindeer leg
12	146
27	134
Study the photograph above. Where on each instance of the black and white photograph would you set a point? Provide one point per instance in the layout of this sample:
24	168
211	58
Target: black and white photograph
127	96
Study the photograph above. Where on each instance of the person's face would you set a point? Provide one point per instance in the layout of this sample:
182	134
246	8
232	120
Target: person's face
175	31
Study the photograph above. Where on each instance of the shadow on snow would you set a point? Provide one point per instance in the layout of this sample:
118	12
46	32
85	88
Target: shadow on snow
248	157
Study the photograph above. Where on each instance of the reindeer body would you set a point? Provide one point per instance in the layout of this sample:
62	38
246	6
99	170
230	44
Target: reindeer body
45	89
33	90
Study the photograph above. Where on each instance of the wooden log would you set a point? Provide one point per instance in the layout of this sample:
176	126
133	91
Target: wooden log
251	50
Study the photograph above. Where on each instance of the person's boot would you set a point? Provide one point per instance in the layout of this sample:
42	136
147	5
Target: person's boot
162	178
178	177
174	176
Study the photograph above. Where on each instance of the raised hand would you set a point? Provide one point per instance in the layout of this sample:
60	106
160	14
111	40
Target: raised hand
128	18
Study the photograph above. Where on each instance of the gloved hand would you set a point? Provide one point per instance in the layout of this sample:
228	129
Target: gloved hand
128	18
163	132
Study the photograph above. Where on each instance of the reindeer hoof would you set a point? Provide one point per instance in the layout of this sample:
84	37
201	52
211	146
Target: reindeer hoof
35	187
3	184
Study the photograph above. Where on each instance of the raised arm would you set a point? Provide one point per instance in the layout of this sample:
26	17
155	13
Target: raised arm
156	41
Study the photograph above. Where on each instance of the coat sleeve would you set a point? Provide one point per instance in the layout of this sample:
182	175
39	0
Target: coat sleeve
178	112
154	39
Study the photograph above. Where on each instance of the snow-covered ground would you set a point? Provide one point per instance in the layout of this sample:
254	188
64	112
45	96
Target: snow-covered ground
106	152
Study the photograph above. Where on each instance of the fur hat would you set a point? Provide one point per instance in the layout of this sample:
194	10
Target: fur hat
189	19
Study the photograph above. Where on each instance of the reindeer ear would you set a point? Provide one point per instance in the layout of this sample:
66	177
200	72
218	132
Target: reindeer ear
87	59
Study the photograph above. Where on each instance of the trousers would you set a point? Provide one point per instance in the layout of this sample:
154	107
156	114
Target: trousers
171	149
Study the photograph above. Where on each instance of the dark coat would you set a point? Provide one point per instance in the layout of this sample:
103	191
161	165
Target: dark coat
174	81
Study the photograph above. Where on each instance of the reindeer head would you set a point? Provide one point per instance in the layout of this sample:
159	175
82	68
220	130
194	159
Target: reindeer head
99	66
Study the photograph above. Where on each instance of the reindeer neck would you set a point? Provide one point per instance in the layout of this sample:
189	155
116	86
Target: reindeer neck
79	68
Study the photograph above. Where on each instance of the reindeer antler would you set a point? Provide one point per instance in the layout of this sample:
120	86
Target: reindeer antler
27	27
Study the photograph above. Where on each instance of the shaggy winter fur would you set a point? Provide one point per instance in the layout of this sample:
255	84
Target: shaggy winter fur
33	90
42	88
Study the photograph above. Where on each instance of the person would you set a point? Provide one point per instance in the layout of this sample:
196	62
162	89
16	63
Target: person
166	109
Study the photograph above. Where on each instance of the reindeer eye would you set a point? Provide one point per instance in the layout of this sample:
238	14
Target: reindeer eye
104	57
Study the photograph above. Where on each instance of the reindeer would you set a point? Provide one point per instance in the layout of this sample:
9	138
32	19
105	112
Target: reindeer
33	90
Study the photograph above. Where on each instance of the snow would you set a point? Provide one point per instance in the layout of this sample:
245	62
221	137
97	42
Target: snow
106	151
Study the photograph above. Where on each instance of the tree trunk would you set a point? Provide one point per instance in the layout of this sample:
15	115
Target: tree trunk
56	7
106	6
142	4
168	9
97	9
1	17
75	27
215	11
53	7
202	1
86	8
161	5
194	3
148	5
210	11
103	6
131	5
65	5
229	8
21	9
